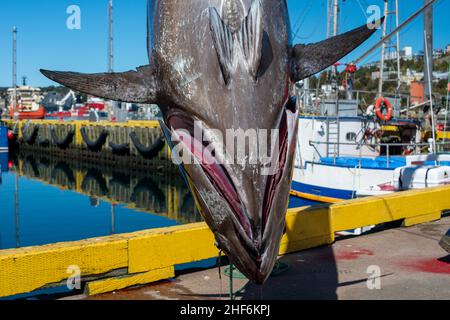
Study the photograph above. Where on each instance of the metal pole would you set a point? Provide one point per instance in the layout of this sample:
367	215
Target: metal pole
110	36
335	33
335	17
231	283
14	71
397	23
113	218
429	77
328	18
428	45
383	49
16	209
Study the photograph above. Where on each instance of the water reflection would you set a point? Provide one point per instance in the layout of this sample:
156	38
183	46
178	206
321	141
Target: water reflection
47	199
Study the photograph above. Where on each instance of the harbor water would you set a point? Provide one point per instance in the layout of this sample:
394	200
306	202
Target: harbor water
45	200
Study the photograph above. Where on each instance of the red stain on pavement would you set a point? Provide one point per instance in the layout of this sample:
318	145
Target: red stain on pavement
353	254
430	266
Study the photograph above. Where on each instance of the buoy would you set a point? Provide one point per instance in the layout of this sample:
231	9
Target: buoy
10	135
378	109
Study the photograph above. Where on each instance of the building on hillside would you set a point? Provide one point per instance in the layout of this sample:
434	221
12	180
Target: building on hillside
417	92
438	53
407	53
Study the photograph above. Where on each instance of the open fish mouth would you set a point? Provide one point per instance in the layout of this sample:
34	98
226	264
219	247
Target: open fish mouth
211	175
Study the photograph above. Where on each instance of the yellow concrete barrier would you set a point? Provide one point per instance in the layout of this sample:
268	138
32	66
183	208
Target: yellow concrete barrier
150	255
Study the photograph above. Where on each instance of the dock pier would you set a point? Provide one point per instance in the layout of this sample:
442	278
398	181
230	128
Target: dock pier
138	144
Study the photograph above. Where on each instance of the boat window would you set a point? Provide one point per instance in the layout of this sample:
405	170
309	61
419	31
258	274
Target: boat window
351	136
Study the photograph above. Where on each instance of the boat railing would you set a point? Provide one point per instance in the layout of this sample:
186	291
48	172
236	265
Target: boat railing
310	101
414	147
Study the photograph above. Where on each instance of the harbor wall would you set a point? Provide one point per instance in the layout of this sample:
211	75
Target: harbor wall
97	142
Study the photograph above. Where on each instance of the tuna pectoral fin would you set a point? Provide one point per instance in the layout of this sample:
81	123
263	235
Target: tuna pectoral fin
140	86
307	60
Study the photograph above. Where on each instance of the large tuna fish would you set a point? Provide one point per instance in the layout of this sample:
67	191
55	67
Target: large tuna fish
221	66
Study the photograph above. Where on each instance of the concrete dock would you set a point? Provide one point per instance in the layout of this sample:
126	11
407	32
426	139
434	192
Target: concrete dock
409	261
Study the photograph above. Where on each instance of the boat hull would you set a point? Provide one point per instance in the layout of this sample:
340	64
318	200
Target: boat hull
29	115
322	183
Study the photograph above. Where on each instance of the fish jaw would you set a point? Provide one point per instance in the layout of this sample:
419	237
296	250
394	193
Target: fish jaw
245	212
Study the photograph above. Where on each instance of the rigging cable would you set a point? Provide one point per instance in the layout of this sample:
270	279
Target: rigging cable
301	20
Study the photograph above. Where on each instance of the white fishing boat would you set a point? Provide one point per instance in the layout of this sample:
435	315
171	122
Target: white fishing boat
339	155
420	172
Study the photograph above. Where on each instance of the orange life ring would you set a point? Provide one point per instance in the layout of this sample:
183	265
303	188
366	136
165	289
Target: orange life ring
390	110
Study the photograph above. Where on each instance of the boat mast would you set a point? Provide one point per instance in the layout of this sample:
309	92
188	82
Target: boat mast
390	51
14	69
428	47
429	78
397	23
428	67
329	9
335	19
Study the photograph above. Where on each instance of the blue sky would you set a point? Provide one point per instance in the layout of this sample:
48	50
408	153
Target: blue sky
45	42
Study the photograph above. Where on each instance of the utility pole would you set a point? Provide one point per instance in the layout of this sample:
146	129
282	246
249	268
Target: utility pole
428	47
14	70
110	36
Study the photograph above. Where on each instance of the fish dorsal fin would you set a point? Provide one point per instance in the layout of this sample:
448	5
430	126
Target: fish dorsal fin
228	38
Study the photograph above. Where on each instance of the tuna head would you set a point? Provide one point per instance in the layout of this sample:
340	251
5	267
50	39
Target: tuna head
221	73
